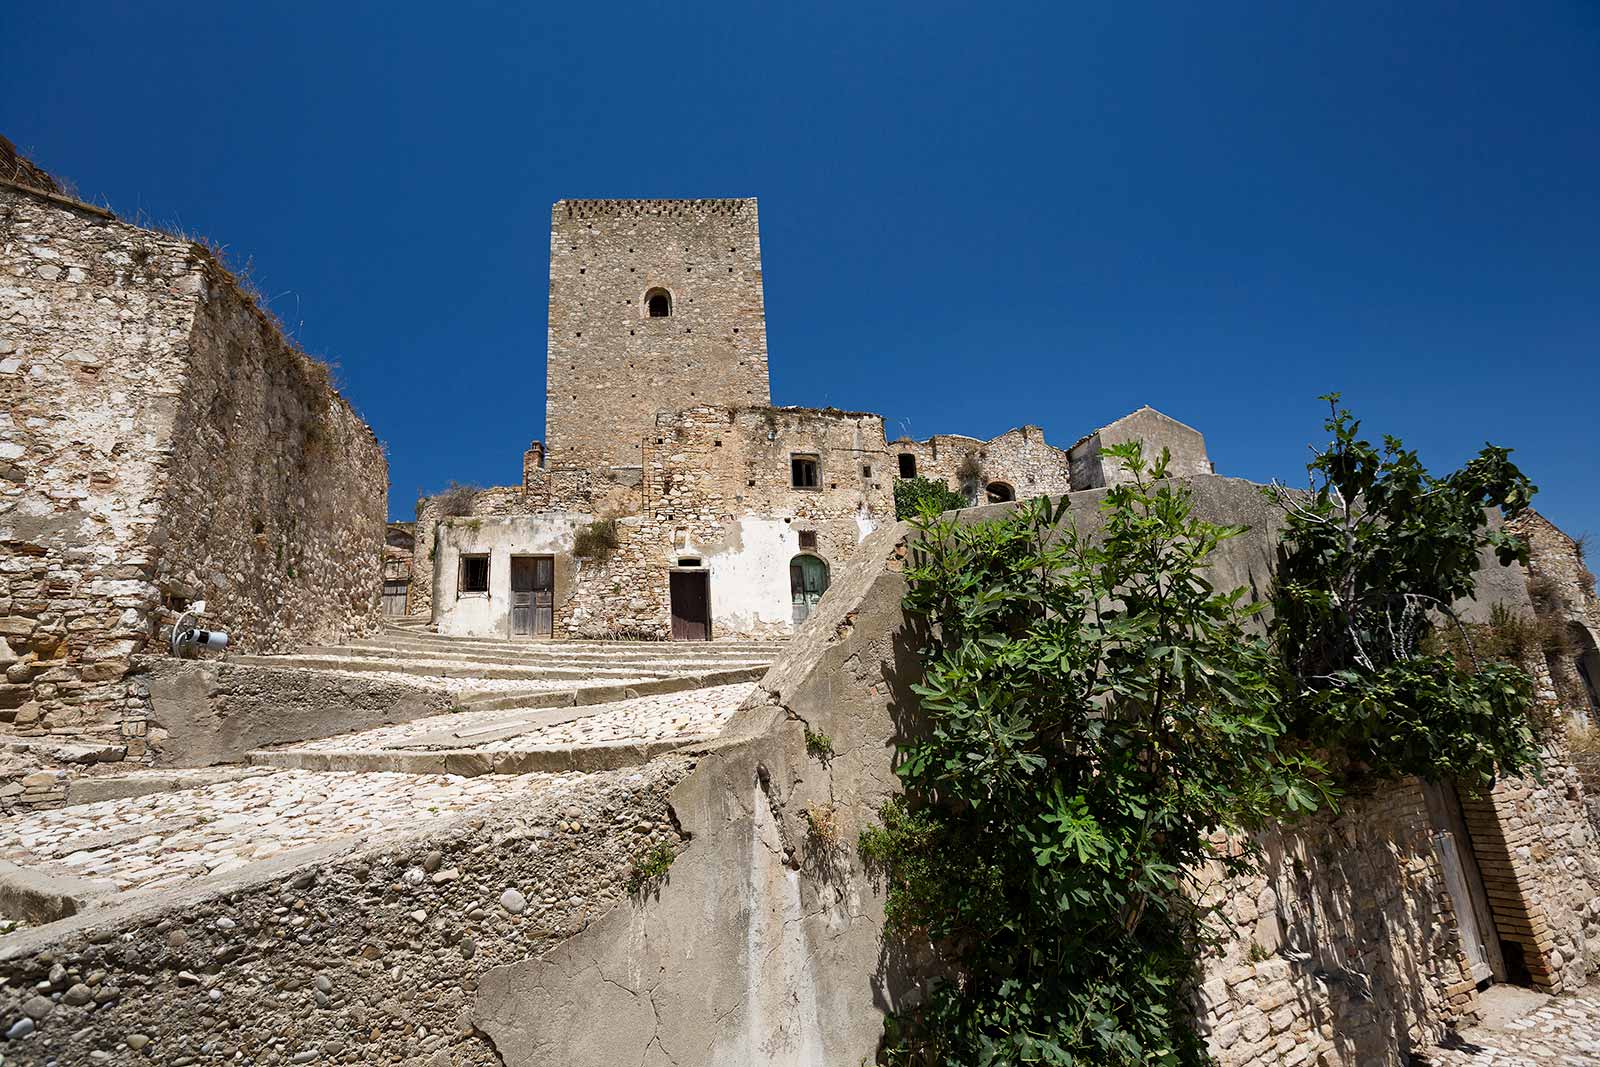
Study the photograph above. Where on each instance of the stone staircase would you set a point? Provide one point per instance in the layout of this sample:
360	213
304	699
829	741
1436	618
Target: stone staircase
509	689
553	673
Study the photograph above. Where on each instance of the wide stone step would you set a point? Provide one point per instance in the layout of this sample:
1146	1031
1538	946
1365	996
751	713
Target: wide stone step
440	669
470	763
532	658
603	694
411	640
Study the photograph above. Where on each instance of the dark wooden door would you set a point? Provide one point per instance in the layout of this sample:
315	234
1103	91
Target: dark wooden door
691	606
532	596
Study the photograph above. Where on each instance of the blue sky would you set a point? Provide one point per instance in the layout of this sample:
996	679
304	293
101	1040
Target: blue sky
973	216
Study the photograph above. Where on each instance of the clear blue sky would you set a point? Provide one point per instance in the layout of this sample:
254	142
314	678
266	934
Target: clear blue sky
973	216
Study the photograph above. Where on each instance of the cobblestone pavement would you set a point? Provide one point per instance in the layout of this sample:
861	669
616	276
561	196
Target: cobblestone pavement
1561	1032
166	838
690	715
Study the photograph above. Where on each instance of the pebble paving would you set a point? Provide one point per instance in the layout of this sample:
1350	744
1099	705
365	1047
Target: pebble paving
167	838
1563	1032
690	715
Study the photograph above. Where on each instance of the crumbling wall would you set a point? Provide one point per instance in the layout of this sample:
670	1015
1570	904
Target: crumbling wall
159	437
94	337
1021	459
718	488
1562	590
1344	948
275	505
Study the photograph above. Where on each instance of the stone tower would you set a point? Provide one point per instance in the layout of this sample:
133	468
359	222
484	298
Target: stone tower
655	305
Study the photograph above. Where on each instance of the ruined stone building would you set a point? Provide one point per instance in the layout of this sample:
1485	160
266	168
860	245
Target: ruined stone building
670	497
161	443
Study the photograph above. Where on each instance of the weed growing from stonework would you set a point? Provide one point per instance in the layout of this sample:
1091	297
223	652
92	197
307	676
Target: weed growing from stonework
596	541
819	746
1374	555
650	869
1093	712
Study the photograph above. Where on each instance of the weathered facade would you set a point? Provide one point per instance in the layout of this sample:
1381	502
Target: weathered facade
654	304
709	513
161	442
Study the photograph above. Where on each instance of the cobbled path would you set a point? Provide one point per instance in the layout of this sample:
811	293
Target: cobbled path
1563	1032
167	838
691	715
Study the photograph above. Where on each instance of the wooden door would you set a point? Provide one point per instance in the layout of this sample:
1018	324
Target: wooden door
394	596
1480	940
532	596
808	580
691	605
544	595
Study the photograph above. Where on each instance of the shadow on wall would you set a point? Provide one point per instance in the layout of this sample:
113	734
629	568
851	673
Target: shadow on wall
1358	925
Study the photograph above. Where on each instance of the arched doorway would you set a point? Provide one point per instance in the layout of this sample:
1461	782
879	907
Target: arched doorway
808	580
1000	492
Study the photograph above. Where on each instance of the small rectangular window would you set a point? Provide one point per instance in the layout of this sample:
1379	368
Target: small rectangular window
808	539
908	465
474	574
866	472
804	472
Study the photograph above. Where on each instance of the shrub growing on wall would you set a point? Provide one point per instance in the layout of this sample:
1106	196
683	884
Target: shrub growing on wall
914	497
596	541
1373	557
1094	713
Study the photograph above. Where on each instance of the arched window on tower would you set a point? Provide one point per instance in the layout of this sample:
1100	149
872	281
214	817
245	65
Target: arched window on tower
658	303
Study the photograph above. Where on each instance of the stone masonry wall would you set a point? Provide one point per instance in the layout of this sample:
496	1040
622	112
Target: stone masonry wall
710	471
159	438
95	319
1541	868
275	507
612	367
1562	590
1345	950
